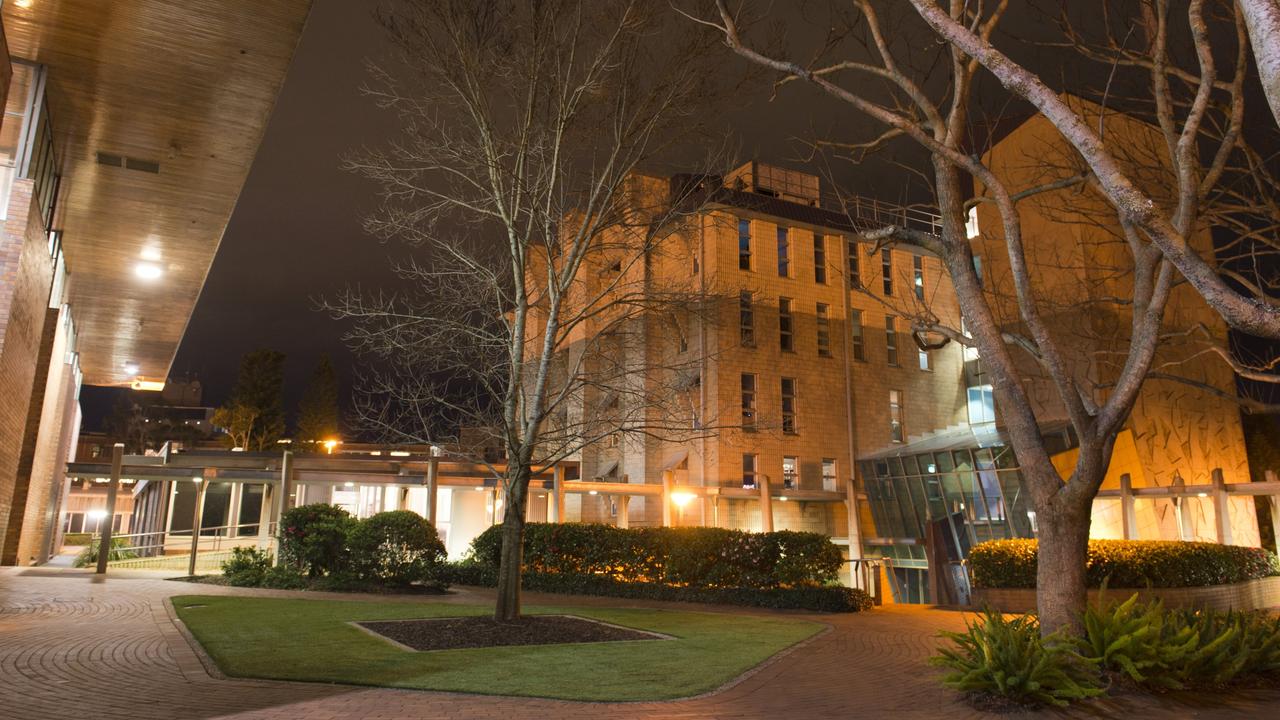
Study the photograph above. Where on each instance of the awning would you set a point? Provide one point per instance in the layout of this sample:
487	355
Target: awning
676	461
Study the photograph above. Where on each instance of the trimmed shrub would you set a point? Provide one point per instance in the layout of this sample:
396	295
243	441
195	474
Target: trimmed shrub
313	538
691	556
247	567
1127	564
1006	658
120	550
822	599
396	548
82	538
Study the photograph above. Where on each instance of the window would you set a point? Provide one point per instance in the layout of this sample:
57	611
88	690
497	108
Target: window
917	275
744	244
924	360
824	330
982	404
746	319
748	401
829	474
784	252
786	339
977	268
895	416
748	471
891	339
855	265
790	471
886	270
971	223
788	405
819	259
855	333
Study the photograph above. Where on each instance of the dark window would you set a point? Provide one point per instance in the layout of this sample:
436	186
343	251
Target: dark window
917	271
748	401
824	330
748	471
829	474
891	339
855	324
855	265
786	339
895	416
788	405
886	269
819	259
744	244
746	319
784	252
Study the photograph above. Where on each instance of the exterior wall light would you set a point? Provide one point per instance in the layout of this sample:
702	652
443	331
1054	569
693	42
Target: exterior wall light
681	498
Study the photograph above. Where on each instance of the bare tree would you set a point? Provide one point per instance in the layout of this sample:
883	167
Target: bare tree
1159	210
1263	20
530	314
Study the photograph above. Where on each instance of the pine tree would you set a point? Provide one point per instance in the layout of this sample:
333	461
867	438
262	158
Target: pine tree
259	391
318	411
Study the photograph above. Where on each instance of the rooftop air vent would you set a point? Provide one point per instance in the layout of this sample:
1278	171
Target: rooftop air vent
129	163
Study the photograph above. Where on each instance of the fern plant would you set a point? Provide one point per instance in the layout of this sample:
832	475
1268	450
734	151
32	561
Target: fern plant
1137	640
1006	657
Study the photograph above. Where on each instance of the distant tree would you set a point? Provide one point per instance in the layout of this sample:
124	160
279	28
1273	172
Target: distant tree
259	392
318	411
128	424
238	421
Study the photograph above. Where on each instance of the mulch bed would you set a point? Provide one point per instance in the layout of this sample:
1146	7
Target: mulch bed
481	632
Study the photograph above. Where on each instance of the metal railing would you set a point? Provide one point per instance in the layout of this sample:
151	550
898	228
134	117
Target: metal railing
173	550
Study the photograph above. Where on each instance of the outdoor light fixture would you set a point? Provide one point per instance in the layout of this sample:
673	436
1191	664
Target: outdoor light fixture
592	492
131	368
197	479
348	484
150	253
96	514
681	498
783	498
399	453
147	271
480	489
329	445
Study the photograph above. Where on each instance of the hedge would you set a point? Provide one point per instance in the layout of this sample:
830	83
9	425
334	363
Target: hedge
691	556
822	599
1127	564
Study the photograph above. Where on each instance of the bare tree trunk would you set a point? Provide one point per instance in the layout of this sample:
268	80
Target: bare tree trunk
1060	570
507	607
1262	17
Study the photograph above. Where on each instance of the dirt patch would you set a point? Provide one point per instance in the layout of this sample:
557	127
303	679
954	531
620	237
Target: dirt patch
481	631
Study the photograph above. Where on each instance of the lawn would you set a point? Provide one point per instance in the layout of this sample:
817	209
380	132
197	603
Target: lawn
312	640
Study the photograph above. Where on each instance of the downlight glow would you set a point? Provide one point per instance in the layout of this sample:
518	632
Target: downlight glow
147	271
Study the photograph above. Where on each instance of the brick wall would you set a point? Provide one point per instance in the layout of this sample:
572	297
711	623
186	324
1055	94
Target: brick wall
25	295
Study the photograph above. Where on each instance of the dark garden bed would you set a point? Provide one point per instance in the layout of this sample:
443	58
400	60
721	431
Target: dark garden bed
482	632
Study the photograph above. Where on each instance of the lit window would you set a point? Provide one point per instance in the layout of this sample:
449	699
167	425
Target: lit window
784	252
886	270
895	416
748	401
891	339
788	405
924	360
977	268
819	259
971	223
829	474
790	471
982	404
824	330
744	244
748	471
917	274
786	339
855	333
746	319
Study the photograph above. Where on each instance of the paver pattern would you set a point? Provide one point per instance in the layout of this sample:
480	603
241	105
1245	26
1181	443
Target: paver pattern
73	645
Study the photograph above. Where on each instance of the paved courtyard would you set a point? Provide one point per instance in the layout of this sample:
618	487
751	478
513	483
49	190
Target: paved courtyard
76	646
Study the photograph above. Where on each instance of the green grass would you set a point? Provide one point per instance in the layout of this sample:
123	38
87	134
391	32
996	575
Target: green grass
312	640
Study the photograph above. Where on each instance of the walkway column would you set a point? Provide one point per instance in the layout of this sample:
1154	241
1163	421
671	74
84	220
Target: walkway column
264	516
853	520
1221	508
1274	500
667	481
280	496
766	503
624	511
1128	513
555	503
104	543
197	517
433	489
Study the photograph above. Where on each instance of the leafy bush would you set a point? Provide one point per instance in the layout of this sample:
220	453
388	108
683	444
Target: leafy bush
246	567
283	577
691	556
821	599
1007	658
396	548
313	538
1127	564
1152	646
120	550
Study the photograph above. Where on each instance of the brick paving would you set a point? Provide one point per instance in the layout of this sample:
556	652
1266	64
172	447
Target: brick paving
76	646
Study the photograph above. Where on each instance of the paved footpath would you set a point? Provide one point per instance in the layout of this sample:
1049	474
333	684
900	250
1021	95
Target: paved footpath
76	646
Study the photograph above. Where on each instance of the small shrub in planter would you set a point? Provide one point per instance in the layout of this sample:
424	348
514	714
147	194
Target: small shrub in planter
313	538
247	567
1127	564
397	548
120	550
998	657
